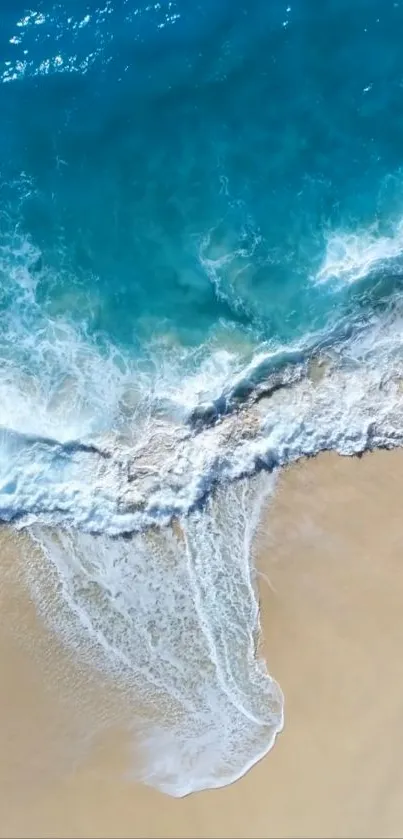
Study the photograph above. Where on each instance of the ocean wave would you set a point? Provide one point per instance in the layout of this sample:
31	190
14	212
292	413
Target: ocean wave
354	256
132	478
172	612
96	444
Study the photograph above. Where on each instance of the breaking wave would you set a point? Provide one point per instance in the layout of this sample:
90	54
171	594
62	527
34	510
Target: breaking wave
176	450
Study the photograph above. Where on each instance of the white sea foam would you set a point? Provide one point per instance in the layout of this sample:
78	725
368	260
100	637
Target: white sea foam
119	483
91	438
174	615
352	256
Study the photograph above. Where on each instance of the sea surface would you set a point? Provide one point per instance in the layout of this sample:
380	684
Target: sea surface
201	278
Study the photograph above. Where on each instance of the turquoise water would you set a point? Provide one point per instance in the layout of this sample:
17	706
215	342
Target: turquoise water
142	131
200	205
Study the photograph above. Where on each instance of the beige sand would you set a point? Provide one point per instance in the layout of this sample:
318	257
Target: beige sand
332	547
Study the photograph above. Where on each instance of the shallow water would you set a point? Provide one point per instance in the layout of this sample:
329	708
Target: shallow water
196	205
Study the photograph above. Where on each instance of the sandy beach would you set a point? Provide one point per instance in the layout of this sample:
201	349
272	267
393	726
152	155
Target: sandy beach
330	553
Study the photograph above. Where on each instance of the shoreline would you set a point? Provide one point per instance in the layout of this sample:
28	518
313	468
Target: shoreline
329	546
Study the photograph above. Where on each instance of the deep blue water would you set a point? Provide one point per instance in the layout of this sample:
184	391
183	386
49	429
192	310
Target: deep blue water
141	128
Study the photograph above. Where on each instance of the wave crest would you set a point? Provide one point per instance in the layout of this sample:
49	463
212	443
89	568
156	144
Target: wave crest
351	257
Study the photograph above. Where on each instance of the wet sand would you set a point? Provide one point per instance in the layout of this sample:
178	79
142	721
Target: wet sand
331	546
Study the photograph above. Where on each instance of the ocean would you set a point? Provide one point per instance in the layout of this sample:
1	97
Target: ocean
201	264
